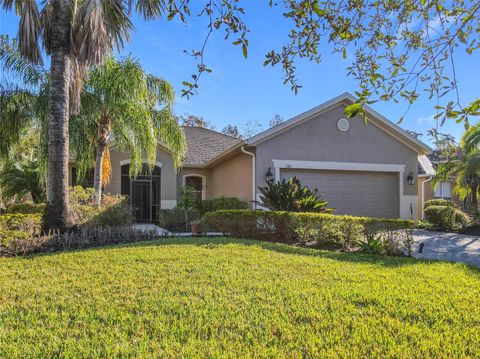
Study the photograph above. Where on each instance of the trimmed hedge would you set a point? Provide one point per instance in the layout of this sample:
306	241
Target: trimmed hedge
441	217
441	214
291	227
439	202
220	203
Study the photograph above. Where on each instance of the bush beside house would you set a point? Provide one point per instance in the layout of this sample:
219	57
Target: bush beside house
93	225
441	214
327	230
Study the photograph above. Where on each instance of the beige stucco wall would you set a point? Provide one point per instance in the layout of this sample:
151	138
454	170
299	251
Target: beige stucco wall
320	140
168	178
429	194
232	178
203	172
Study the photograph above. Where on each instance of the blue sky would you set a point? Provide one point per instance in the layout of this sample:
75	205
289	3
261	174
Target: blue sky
239	90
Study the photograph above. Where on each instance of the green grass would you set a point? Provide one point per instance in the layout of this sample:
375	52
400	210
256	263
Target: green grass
233	298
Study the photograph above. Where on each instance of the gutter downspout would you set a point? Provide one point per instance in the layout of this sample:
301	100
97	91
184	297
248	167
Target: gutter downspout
423	195
253	176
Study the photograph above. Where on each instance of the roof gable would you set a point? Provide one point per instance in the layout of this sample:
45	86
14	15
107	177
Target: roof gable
374	117
204	145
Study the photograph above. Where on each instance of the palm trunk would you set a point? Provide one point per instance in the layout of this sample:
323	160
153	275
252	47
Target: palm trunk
57	215
97	180
474	204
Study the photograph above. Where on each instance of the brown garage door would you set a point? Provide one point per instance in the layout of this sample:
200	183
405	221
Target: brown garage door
372	194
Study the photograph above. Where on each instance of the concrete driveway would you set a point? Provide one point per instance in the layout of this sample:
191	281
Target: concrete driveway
447	246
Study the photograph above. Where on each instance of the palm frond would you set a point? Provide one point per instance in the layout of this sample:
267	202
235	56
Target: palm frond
29	32
98	25
83	129
13	63
78	75
471	139
17	110
170	135
106	167
8	4
162	90
22	179
46	18
149	9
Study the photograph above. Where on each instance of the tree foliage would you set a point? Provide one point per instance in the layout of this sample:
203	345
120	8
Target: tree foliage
233	131
190	120
291	196
464	166
123	105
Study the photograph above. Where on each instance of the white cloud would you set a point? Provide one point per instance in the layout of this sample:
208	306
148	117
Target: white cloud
430	120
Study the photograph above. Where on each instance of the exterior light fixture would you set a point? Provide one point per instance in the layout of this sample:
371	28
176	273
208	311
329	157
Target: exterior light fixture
410	178
269	175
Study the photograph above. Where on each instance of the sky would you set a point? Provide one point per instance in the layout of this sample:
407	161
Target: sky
242	91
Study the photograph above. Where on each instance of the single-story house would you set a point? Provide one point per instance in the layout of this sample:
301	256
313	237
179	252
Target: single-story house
360	169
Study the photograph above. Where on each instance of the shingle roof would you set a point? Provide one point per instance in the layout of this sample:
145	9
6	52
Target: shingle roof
203	145
425	167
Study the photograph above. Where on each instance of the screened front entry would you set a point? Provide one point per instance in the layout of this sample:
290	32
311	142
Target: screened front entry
143	192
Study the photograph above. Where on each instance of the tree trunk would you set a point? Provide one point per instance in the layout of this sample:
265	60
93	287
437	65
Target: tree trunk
57	215
474	204
97	180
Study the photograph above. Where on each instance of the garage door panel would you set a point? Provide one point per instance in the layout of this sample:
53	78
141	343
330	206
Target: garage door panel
373	194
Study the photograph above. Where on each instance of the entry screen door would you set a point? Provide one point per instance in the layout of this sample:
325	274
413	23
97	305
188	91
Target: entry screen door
141	200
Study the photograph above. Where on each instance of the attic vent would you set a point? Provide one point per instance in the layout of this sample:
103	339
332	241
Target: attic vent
343	125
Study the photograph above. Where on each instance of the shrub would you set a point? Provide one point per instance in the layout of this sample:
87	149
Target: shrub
291	196
220	203
439	202
373	244
461	218
18	228
343	231
79	195
441	217
188	201
115	215
27	208
173	220
86	237
20	222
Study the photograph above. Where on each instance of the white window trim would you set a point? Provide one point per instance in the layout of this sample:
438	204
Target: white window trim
440	187
204	182
346	166
128	161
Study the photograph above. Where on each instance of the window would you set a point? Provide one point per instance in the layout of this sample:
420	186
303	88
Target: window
196	182
443	190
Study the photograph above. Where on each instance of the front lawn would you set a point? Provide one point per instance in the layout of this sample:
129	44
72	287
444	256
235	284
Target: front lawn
234	298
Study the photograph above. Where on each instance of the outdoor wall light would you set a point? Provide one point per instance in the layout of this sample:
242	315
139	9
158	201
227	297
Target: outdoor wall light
269	175
410	178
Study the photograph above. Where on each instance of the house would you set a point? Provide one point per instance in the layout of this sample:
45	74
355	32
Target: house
360	169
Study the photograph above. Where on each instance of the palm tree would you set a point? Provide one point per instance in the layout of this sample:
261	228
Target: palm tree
123	105
22	179
464	165
76	34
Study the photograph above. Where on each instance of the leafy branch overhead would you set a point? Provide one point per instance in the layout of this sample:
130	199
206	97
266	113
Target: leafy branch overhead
224	14
395	50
